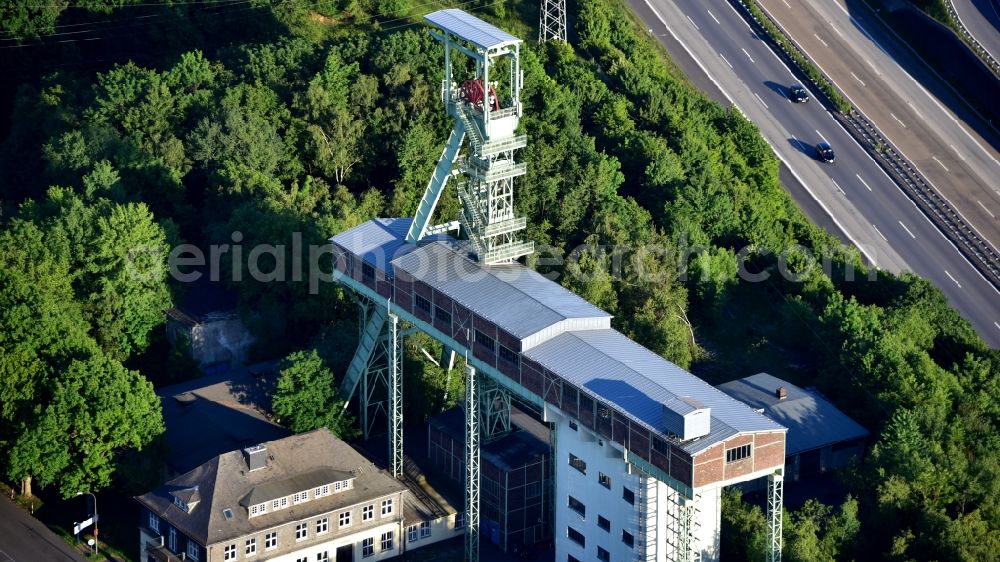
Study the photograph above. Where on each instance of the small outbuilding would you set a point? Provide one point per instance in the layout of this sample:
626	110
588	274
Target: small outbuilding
820	437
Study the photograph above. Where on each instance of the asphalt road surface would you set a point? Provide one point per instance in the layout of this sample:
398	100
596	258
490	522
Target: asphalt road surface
982	19
862	59
861	199
24	539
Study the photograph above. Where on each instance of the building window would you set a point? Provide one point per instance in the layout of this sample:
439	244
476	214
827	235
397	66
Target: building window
323	556
586	403
510	356
337	486
154	523
577	463
367	272
251	547
411	533
628	539
460	520
604	480
321	491
280	503
425	529
229	552
192	550
491	487
271	540
422	304
571	558
533	489
258	509
344	519
576	536
323	525
486	341
387	507
301	531
172	540
300	497
387	540
442	315
577	506
302	559
738	453
628	495
660	446
572	425
603	555
368	547
367	512
603	523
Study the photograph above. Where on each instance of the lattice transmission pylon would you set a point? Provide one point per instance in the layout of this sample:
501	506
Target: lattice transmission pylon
552	21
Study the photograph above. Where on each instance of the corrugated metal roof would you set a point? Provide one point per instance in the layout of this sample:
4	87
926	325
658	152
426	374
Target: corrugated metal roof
470	28
640	382
812	421
514	297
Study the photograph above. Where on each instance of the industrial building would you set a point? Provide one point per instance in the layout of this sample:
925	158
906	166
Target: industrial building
820	437
515	482
641	448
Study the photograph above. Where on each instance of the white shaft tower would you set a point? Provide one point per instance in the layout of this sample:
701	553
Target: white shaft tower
486	107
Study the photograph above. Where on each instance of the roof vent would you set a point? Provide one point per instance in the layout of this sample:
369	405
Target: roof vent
256	457
781	393
687	418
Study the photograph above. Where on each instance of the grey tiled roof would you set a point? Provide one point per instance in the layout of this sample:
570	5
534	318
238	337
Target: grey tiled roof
812	421
224	480
616	369
281	487
471	28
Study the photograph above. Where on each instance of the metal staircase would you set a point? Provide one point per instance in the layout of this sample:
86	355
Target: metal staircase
373	321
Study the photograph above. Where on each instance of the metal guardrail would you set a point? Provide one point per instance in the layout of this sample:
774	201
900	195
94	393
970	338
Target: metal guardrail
935	207
981	51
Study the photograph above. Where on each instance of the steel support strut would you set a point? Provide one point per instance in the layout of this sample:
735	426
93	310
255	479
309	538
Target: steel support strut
395	360
775	488
471	465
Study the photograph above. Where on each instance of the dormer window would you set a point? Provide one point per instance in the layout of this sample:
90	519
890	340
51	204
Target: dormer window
259	509
186	499
181	504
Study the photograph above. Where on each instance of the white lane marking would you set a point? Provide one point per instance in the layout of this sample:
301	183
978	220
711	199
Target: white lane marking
957	152
907	230
821	40
880	233
875	68
898	120
940	162
997	325
694	24
952	278
835	28
760	100
858	79
914	110
842	192
713	16
863	181
985	209
747	54
787	5
727	60
821	136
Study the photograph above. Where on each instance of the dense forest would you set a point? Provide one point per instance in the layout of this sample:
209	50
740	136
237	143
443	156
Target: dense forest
326	115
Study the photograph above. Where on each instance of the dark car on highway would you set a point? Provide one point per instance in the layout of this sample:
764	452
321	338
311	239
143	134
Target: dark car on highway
797	93
825	152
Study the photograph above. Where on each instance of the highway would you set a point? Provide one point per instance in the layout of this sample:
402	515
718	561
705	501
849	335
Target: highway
982	20
861	199
868	66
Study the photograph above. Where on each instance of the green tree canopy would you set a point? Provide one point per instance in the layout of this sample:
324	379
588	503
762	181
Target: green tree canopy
304	397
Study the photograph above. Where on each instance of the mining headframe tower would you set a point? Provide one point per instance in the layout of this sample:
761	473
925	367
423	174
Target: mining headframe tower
641	448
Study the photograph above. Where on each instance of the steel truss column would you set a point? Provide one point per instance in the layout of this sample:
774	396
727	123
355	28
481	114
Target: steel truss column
775	489
471	465
395	360
552	21
494	404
